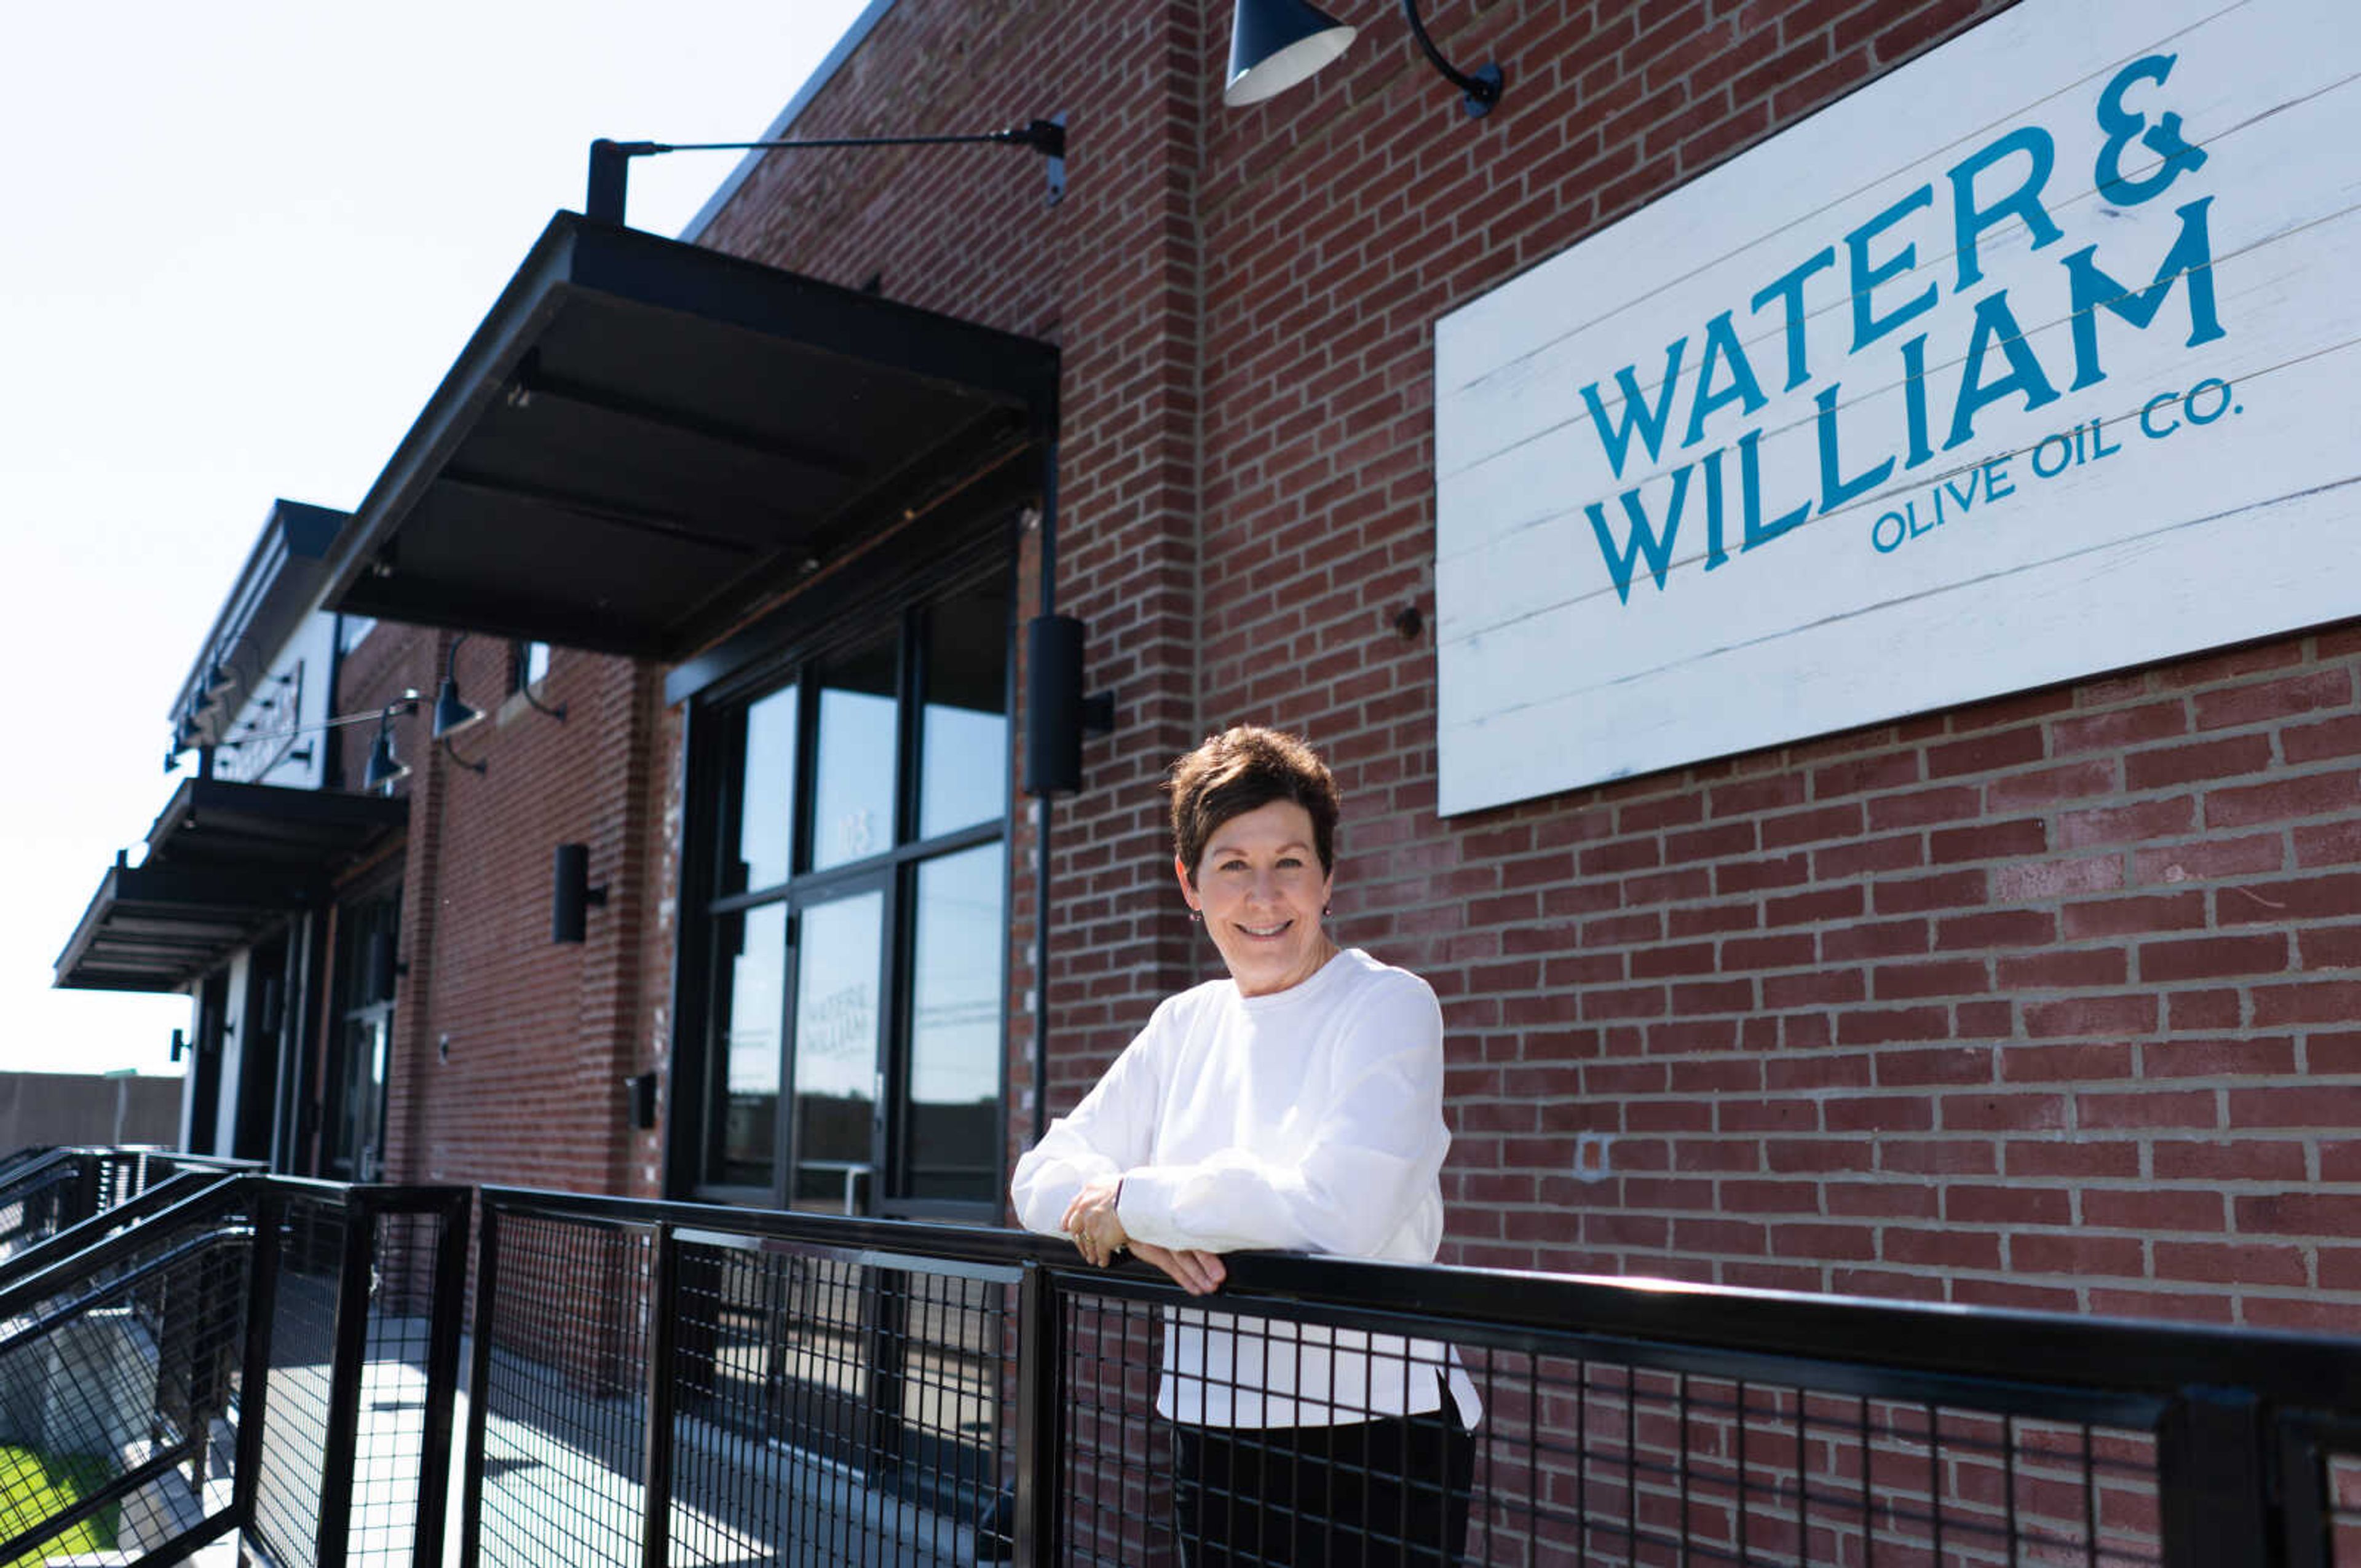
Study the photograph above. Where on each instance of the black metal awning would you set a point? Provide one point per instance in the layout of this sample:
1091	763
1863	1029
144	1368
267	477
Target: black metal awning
224	861
646	438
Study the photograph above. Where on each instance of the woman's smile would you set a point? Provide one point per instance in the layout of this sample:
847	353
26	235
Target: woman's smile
1262	890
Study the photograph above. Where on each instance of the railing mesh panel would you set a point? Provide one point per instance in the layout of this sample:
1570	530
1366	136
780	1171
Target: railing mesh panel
391	1439
36	1205
838	1412
125	1368
1596	1462
825	1410
302	1341
565	1400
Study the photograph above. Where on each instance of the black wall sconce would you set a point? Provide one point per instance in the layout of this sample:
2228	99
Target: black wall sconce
222	676
385	965
1274	44
384	770
454	714
1057	714
571	896
639	1100
610	161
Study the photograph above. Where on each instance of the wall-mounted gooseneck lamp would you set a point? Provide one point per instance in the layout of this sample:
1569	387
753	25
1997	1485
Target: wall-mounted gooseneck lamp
384	768
610	161
1274	44
454	714
571	896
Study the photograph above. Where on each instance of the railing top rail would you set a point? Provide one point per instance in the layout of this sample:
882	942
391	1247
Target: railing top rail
174	1189
49	1161
2063	1350
229	1192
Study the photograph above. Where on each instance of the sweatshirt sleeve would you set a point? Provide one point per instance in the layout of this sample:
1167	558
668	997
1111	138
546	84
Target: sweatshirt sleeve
1377	1143
1112	1130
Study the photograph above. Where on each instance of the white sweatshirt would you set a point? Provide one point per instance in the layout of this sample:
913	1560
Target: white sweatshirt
1309	1120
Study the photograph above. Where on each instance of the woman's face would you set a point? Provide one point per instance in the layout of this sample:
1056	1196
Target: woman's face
1261	891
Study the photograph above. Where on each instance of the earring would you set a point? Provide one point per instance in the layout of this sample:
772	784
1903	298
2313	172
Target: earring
1196	916
1326	910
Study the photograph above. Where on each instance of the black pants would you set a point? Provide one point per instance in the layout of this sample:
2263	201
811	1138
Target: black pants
1363	1495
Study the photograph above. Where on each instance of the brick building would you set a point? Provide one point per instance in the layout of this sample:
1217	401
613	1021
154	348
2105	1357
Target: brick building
2047	996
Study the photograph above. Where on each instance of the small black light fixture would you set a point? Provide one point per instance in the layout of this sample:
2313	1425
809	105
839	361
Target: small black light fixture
384	770
1057	714
384	965
452	713
521	668
571	896
1274	44
610	161
222	676
639	1100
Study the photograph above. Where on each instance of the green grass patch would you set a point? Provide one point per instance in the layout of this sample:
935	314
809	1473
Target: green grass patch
35	1487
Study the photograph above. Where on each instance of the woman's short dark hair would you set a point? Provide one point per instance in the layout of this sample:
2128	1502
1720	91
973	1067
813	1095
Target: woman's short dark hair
1239	769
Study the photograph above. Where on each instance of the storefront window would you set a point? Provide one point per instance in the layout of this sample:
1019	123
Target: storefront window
854	815
766	794
756	1001
855	923
956	1026
964	750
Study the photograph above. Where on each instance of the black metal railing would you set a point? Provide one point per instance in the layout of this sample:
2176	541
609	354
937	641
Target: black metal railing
235	1353
44	1192
672	1384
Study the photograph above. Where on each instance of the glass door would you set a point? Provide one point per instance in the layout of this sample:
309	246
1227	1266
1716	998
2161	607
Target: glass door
833	1129
352	1130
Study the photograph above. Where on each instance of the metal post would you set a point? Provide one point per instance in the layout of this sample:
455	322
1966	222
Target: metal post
350	1360
2213	1480
471	1471
1040	1418
610	174
664	1300
449	1301
87	1167
254	1382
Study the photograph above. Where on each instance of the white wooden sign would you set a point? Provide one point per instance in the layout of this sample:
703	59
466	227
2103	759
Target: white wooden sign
2034	358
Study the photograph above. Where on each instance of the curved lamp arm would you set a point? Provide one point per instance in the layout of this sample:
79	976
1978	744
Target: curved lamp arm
1482	88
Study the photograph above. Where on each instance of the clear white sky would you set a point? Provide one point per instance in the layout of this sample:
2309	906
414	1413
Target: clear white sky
243	243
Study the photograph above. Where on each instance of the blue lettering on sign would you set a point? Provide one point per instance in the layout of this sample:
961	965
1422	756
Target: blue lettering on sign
1997	189
2059	453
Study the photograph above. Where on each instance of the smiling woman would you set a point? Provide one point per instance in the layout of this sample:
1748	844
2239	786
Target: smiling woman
1296	1104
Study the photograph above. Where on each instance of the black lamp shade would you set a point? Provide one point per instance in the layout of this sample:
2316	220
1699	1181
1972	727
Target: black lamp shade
452	713
383	767
1274	44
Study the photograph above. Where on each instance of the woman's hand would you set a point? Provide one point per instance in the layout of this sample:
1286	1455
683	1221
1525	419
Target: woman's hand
1198	1273
1092	1223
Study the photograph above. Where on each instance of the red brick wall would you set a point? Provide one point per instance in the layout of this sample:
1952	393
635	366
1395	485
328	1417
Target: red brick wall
2051	1000
508	1051
2041	1002
1111	273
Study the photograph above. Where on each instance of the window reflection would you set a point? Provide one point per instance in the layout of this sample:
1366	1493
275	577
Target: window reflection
964	760
852	809
751	1010
766	797
955	1028
836	1047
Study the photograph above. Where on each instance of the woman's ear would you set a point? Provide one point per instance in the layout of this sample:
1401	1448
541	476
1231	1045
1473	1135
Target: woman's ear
1188	888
